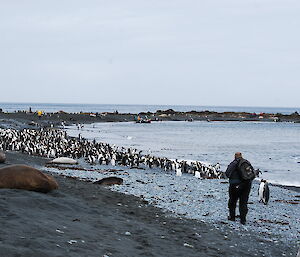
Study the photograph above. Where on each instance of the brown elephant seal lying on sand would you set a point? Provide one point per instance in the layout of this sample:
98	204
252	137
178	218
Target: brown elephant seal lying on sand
27	178
2	157
110	181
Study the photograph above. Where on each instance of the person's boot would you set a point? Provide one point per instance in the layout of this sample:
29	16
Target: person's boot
231	217
243	221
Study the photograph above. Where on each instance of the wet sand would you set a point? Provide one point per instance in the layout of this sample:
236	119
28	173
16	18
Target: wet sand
84	219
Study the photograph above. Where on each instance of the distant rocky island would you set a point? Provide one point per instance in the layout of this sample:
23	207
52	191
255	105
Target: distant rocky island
58	118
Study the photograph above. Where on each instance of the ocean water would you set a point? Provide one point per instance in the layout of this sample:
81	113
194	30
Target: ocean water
75	108
274	148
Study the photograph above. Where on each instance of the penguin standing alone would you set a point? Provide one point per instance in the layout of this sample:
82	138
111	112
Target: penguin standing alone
264	192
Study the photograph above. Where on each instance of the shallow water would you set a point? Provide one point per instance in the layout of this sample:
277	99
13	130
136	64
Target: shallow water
271	147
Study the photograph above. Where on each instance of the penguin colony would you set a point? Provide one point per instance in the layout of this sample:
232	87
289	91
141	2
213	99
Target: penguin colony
53	143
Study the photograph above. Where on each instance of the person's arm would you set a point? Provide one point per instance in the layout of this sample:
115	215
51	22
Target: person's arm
231	167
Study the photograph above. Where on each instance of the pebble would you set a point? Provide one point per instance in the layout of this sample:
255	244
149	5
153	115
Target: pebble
198	235
188	245
127	233
72	242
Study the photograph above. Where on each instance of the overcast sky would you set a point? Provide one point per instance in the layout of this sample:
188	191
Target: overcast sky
194	52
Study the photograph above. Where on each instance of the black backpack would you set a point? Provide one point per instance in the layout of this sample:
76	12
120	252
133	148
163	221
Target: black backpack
246	170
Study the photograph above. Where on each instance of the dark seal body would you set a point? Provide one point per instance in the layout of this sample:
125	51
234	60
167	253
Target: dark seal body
110	181
27	178
2	157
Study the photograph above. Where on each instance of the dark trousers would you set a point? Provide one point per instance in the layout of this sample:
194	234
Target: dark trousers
239	192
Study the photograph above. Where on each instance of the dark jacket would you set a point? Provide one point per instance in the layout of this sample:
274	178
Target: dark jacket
233	173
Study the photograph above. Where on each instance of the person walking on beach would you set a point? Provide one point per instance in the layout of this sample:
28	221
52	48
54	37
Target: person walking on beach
239	186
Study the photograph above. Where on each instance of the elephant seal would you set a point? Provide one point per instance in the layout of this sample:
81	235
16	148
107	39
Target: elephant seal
27	178
109	181
2	157
64	160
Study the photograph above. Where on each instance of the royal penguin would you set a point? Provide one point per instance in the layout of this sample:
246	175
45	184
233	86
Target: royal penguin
197	174
217	167
178	172
113	160
264	192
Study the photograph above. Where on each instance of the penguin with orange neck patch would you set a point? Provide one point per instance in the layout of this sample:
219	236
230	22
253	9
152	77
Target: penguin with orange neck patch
264	192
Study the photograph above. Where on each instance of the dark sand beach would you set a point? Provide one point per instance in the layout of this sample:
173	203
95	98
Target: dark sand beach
84	219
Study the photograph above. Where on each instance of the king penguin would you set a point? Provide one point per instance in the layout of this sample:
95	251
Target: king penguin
264	192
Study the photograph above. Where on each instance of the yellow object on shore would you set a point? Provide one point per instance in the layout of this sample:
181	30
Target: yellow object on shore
40	113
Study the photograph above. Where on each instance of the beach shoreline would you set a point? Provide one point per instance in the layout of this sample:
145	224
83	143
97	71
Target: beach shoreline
84	219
